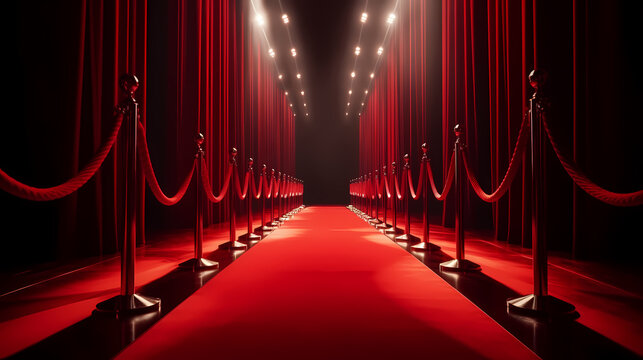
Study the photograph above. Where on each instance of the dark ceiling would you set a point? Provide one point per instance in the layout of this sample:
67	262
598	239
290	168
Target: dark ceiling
325	34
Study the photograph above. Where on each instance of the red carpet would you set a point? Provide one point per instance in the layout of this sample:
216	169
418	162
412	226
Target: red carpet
327	286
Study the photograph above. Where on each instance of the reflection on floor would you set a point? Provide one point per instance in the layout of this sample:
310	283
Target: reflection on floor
611	316
55	313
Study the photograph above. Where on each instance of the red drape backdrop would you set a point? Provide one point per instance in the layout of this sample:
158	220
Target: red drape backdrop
201	69
484	51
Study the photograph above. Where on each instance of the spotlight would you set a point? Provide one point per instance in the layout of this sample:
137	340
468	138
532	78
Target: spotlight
359	114
353	74
306	114
362	104
298	76
305	105
364	17
380	51
346	114
357	50
290	105
350	92
372	75
284	17
293	52
302	93
271	52
348	104
391	18
260	20
365	91
280	76
286	92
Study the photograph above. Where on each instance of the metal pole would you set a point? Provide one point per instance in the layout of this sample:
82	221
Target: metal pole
425	245
233	244
375	220
407	236
393	230
273	220
250	235
198	262
460	263
264	227
540	303
384	225
128	301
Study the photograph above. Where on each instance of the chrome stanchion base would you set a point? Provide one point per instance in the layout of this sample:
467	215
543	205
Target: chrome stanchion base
375	221
545	306
408	238
275	223
249	237
382	226
283	219
233	245
392	231
265	230
199	264
129	305
459	266
425	246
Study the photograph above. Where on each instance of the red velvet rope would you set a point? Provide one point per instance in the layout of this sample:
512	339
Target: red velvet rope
447	183
267	189
372	188
16	188
514	165
207	186
387	187
284	190
277	183
400	194
591	188
288	188
148	171
380	187
416	194
242	193
256	193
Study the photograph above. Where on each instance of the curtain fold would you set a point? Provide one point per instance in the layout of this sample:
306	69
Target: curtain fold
486	50
197	74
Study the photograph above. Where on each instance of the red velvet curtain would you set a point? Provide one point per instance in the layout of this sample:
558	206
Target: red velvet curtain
65	62
486	51
199	66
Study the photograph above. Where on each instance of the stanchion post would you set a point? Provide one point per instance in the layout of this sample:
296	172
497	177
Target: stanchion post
407	236
128	302
425	245
360	194
198	262
369	194
384	225
540	303
282	199
291	181
264	228
375	220
459	263
249	235
274	222
394	229
233	244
